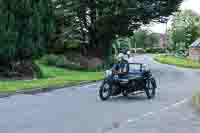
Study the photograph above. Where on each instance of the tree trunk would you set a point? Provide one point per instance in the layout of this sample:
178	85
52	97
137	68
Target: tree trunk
92	28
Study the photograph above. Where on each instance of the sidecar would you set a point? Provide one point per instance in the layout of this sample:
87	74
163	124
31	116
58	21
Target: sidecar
140	79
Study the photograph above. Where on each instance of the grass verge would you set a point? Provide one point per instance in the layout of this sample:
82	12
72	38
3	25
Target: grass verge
171	60
52	77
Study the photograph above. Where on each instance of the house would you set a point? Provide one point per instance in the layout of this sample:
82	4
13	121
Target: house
194	50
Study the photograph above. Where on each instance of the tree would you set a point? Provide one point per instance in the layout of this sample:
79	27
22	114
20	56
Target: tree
102	20
154	40
141	36
29	23
184	30
145	38
8	33
25	28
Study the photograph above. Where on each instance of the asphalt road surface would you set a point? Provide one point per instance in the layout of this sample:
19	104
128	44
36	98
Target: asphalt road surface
79	110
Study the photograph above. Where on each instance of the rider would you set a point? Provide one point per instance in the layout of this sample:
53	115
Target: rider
122	67
128	53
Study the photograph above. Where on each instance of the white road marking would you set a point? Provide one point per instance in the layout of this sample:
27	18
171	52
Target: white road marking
181	102
134	120
87	86
161	110
165	109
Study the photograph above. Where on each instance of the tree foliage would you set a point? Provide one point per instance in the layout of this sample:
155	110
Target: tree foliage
100	21
145	39
185	29
25	27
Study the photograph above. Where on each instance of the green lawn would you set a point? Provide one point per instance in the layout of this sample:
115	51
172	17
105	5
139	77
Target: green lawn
186	63
53	77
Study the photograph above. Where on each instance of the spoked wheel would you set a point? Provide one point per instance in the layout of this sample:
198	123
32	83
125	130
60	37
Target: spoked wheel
105	91
151	88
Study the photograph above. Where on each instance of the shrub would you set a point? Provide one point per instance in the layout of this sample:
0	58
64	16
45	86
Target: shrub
154	50
49	59
148	50
21	70
71	44
182	49
61	61
138	50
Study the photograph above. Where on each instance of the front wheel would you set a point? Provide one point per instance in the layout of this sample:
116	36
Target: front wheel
105	91
151	88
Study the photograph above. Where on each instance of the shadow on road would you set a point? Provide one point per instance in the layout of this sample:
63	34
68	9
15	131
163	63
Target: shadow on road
130	98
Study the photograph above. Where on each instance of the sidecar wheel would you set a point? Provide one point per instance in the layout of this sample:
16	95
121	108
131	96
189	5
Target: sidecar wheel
151	88
105	91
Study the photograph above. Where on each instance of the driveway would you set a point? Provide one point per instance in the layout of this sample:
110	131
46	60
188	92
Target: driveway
79	110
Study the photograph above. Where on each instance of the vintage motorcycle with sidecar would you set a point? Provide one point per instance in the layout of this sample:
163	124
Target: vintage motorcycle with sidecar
138	80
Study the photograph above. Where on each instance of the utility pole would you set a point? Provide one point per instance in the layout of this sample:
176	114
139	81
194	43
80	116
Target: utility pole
165	21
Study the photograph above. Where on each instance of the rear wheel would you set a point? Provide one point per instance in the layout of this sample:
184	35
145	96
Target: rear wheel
151	88
105	91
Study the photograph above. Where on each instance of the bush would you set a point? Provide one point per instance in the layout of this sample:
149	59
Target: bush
62	62
182	49
77	66
19	70
160	50
138	50
148	50
71	44
154	50
49	59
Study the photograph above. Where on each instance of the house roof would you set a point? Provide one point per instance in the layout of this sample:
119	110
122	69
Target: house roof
196	44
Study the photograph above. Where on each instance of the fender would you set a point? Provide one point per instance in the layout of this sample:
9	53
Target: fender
152	79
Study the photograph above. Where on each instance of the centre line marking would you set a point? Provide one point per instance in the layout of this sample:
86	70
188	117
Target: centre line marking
134	120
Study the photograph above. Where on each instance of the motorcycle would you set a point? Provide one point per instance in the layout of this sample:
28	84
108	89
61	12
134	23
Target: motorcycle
138	80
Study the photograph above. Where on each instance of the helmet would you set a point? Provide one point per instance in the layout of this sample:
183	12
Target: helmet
126	57
122	56
128	52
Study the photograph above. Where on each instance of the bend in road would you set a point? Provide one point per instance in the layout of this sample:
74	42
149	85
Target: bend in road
78	109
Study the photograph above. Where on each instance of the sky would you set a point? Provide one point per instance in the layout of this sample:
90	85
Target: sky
187	4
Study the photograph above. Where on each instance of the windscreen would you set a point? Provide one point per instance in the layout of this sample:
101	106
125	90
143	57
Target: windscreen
134	67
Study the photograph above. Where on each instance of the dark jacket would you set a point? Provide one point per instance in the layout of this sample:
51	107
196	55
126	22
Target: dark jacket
121	67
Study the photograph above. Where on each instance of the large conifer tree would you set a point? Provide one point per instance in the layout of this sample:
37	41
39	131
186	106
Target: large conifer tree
25	28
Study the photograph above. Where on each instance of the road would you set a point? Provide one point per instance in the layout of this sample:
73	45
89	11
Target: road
79	110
